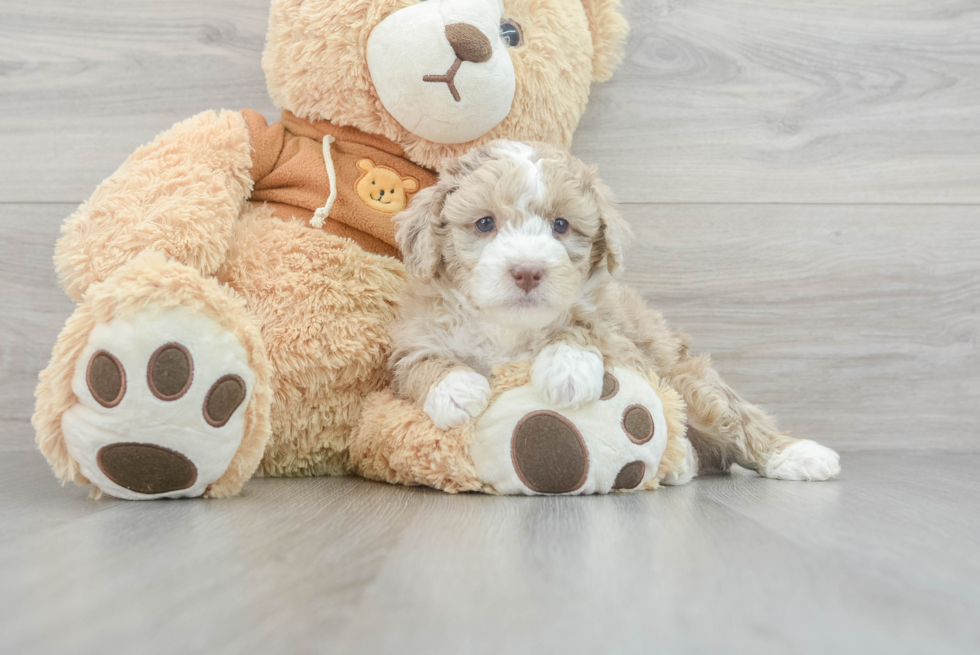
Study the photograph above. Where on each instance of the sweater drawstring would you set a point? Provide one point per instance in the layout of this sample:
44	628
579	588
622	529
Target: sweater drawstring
321	215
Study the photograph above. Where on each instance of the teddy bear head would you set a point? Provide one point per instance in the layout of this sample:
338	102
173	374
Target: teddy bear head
439	77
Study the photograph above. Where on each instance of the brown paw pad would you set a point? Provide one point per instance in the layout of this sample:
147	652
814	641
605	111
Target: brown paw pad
106	379
638	424
610	386
630	476
170	372
549	454
223	399
146	468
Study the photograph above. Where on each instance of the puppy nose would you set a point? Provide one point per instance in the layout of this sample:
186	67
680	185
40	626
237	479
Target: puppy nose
527	276
469	43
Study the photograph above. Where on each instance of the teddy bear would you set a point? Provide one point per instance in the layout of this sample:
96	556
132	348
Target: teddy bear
235	278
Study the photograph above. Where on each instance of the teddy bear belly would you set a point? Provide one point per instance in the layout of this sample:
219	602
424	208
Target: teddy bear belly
323	305
290	212
523	445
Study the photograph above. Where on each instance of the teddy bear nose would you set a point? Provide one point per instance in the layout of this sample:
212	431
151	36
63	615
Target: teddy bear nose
527	276
469	43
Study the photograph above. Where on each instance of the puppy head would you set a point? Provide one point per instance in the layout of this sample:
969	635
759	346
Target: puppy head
521	230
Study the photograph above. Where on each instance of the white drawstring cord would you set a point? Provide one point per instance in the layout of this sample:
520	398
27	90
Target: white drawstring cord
320	215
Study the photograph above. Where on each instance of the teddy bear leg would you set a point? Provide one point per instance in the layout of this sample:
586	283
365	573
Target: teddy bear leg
524	444
324	305
396	442
157	387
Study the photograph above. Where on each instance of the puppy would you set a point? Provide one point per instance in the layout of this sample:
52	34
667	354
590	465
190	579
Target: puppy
512	256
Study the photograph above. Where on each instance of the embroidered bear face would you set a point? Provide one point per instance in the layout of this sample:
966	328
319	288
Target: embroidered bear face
382	188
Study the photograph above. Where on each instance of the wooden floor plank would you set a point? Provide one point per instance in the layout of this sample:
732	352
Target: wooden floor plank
85	82
793	101
728	564
34	311
855	325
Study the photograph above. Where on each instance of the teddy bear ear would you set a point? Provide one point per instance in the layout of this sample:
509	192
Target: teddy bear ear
365	165
609	30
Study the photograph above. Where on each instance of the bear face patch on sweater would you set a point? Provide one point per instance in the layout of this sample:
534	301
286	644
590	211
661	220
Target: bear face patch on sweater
383	188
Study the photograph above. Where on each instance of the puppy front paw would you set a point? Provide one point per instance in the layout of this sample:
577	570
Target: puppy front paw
460	396
568	376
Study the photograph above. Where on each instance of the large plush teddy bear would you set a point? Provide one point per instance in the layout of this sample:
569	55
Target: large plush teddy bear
236	279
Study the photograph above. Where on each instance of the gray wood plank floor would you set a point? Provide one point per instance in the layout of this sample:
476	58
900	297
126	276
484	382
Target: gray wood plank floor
881	561
804	179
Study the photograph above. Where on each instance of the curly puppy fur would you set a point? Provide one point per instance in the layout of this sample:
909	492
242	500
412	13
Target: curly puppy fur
508	213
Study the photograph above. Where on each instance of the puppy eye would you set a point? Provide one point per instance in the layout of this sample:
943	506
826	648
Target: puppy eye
485	224
560	226
510	32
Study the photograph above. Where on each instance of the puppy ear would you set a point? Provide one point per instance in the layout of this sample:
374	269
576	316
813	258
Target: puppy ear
615	232
416	230
609	30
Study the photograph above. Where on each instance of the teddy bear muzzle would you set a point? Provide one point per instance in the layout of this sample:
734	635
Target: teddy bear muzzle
468	82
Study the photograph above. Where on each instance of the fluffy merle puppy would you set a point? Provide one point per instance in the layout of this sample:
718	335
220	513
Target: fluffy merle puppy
512	256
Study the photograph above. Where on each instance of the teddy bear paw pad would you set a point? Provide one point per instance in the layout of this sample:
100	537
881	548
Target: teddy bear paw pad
549	454
160	410
523	445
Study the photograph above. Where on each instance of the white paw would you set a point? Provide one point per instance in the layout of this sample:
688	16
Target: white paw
522	445
688	470
161	405
460	396
804	460
568	376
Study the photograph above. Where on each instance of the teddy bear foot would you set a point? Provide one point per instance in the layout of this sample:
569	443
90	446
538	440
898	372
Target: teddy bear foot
157	387
161	400
524	445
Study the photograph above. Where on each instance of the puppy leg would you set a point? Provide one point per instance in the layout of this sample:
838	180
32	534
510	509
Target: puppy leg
679	464
727	429
450	392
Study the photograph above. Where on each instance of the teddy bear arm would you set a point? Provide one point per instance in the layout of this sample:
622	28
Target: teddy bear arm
179	194
396	442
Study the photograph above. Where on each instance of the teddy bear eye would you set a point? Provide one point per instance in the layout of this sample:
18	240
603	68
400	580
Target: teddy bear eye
510	32
560	226
485	224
